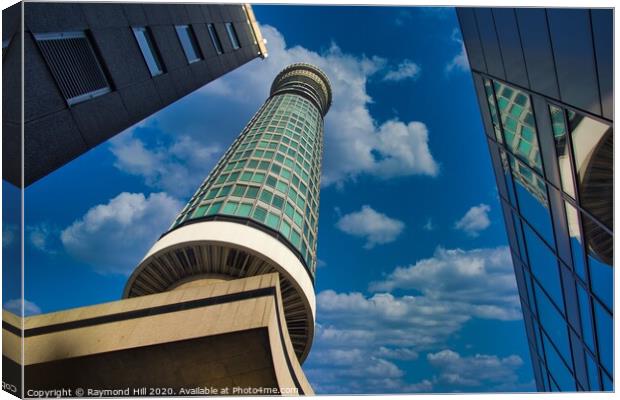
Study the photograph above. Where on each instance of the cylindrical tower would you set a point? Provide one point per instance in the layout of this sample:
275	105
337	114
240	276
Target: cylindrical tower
257	211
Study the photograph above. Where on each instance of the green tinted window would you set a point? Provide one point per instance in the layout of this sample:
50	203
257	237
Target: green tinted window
215	208
252	192
260	214
285	228
244	210
230	207
266	196
278	201
273	220
201	211
239	190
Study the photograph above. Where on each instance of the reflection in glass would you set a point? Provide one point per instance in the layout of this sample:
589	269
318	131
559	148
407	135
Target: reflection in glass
608	385
532	195
560	373
553	323
575	240
519	235
538	334
600	259
232	35
518	123
544	266
215	39
604	333
592	373
562	150
493	109
586	318
593	154
508	177
188	42
147	47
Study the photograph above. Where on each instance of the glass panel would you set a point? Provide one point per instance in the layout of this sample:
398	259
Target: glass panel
508	176
592	373
608	385
493	109
560	373
587	328
273	220
201	211
260	214
188	42
278	201
532	195
519	130
285	228
544	266
232	35
600	259
230	208
553	323
215	208
530	293
562	150
215	39
244	210
604	333
519	235
266	196
149	52
593	154
575	240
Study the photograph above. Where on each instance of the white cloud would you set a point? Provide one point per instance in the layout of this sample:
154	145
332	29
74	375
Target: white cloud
482	278
15	306
41	236
9	233
459	62
405	70
449	289
177	167
113	237
355	143
429	225
397	353
375	227
475	220
475	371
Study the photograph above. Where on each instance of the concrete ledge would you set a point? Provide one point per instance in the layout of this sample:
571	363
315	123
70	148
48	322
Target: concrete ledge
227	334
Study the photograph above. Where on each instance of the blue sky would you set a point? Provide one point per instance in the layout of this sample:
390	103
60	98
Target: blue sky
415	289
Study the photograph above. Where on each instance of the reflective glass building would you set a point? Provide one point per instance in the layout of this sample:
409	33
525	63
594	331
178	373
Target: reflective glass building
544	80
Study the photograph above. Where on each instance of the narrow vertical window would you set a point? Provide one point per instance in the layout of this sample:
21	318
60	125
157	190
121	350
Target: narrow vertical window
5	45
188	42
232	35
215	39
149	51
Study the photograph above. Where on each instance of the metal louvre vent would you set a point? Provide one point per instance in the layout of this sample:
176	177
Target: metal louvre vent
74	65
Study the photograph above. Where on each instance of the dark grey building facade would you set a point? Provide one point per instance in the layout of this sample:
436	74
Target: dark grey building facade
544	80
93	69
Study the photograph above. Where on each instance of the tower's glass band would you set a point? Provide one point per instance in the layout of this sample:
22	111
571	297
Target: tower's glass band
271	173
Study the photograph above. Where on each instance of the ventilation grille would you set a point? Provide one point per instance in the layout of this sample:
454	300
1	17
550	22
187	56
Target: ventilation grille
74	65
